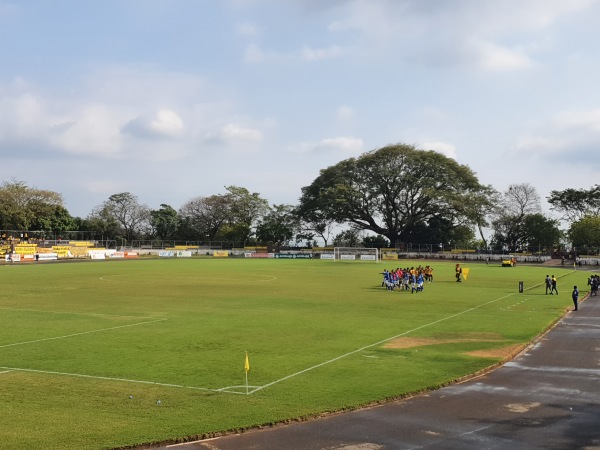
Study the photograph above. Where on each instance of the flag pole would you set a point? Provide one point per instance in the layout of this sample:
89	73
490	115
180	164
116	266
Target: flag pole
246	369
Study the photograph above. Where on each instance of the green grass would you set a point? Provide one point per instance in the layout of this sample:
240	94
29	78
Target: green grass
78	339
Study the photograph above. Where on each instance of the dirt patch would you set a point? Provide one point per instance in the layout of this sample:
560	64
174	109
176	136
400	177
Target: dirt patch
521	407
501	353
410	342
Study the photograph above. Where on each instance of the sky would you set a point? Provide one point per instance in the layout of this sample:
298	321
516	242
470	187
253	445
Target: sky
176	99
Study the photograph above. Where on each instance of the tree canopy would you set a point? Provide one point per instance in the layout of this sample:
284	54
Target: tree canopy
585	234
397	194
575	204
26	208
279	226
164	221
517	221
229	216
124	213
395	191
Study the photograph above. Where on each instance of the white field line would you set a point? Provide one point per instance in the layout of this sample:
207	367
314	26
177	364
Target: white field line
71	313
81	334
227	389
124	380
258	278
6	371
383	341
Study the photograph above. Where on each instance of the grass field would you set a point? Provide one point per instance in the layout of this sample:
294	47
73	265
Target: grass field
87	350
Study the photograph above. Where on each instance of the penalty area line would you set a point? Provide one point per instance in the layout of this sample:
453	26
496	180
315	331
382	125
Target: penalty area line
122	380
82	333
316	366
109	316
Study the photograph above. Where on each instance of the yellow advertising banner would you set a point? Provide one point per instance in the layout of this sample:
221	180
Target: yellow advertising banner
221	253
390	256
81	243
62	251
25	249
79	252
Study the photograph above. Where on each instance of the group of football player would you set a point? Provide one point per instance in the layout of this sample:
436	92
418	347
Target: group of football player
411	279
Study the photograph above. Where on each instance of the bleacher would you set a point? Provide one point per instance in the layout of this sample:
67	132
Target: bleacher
27	249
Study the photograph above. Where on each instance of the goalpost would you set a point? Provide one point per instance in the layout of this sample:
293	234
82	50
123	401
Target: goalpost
355	254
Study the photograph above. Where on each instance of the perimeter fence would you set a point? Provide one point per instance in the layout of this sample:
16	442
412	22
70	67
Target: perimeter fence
11	239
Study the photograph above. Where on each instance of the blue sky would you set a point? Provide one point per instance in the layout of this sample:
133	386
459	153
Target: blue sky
174	99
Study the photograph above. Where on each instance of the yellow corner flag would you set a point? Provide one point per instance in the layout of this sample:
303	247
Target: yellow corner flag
247	364
465	273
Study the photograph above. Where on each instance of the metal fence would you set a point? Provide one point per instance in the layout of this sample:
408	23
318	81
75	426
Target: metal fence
58	238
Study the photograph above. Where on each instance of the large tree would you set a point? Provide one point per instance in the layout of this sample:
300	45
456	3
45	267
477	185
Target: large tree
125	211
541	232
245	210
53	218
314	222
480	206
228	217
26	208
203	217
97	227
585	234
164	221
515	204
520	200
395	191
279	226
348	238
575	204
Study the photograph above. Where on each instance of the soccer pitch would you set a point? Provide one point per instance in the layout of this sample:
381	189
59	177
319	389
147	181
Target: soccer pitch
109	354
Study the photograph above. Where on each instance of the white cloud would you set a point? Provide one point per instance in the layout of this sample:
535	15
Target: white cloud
255	54
373	19
165	123
344	145
514	15
444	148
117	112
498	58
77	129
317	54
336	69
539	145
98	185
495	36
345	114
234	134
93	130
28	113
570	136
588	119
246	29
350	145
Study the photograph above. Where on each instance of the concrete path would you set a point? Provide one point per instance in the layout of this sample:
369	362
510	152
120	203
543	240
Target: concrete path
546	398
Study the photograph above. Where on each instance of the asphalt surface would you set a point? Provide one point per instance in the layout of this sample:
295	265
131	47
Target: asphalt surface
546	398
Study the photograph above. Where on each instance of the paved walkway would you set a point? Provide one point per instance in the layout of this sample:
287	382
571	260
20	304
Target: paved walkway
546	398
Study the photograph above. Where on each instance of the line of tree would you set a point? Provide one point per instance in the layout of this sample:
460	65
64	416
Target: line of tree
386	197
